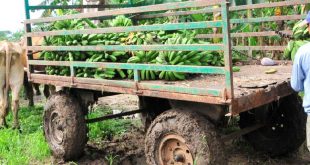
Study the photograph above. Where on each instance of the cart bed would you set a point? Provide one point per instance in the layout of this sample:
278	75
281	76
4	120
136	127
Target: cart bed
249	79
252	87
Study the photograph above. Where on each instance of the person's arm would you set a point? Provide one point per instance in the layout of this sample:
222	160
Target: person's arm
298	75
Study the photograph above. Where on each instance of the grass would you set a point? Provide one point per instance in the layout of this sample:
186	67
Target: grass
27	146
106	130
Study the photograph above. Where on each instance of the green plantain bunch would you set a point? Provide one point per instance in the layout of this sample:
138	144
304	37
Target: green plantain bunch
183	37
300	37
144	57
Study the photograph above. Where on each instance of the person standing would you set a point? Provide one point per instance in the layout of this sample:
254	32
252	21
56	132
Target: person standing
300	79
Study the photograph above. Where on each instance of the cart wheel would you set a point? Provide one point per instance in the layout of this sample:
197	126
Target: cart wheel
285	128
64	126
182	138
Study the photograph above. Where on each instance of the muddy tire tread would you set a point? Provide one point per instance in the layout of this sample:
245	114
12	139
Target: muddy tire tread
190	126
75	137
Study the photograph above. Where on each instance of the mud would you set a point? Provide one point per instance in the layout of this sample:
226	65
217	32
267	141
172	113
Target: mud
129	148
119	102
130	151
125	150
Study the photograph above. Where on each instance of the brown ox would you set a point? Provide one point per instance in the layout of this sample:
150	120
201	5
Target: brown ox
11	77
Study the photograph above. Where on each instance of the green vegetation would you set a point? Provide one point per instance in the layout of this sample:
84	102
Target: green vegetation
300	37
111	159
106	130
9	36
194	58
28	145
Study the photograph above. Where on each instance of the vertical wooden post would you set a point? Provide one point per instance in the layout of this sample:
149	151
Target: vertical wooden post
28	39
227	50
249	15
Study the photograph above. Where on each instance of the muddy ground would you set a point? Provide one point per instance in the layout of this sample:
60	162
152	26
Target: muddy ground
129	148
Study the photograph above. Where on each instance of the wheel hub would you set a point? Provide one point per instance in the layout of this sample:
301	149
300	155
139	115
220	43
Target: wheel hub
173	150
56	128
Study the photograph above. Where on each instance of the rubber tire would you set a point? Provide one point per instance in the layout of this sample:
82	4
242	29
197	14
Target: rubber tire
74	131
200	136
289	139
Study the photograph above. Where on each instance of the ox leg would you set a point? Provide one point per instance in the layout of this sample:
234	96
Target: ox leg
37	89
46	91
16	83
3	108
15	105
28	90
52	89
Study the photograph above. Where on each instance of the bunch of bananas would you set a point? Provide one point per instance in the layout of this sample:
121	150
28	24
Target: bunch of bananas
196	58
108	73
84	72
58	70
144	58
163	36
300	37
121	20
101	73
141	38
300	32
106	56
292	48
91	56
213	59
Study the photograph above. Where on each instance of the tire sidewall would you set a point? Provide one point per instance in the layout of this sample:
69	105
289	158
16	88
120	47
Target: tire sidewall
75	131
198	133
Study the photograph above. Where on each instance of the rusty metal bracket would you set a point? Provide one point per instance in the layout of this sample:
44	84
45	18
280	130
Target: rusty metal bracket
72	82
137	91
113	116
224	94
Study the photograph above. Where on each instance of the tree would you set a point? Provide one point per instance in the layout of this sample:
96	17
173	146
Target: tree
15	37
48	13
9	36
4	35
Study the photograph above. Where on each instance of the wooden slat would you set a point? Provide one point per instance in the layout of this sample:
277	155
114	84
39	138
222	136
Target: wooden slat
179	47
156	27
280	48
176	13
245	34
151	93
132	10
233	8
77	6
268	19
126	85
270	5
154	67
